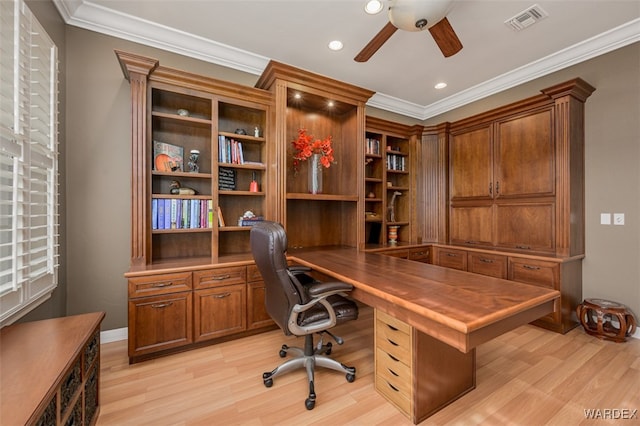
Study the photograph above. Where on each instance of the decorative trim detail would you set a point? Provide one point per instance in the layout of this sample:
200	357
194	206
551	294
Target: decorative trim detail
84	14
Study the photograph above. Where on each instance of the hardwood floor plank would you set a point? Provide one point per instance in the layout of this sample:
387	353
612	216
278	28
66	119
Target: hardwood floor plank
527	376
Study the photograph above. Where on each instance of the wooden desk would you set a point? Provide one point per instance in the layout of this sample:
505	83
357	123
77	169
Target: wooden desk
450	313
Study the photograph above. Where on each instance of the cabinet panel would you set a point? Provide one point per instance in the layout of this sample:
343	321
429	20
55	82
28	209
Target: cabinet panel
471	164
160	322
526	226
487	264
525	155
219	311
450	258
472	225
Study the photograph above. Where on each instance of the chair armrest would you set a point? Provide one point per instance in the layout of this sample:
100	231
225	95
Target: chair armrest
298	269
328	288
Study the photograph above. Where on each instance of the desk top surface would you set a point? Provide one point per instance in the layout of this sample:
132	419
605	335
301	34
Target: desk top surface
460	308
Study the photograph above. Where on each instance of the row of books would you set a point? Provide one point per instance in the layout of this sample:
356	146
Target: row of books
173	213
230	150
396	162
372	146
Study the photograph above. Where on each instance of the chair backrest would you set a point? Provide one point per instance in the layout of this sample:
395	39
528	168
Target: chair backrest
269	246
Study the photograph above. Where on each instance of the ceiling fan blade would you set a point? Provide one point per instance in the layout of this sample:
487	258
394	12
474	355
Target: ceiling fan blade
445	38
376	42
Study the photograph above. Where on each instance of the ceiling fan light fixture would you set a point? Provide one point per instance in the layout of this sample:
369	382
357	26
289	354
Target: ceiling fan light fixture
415	15
373	7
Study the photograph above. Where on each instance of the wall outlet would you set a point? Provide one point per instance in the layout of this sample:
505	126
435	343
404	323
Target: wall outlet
605	218
618	218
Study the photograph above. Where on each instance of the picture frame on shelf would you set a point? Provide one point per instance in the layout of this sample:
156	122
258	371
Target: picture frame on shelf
167	157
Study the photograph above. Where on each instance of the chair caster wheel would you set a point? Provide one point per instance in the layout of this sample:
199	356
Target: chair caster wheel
351	377
309	403
283	351
328	351
266	378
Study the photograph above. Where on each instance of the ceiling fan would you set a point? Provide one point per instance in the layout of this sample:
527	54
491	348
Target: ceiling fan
416	15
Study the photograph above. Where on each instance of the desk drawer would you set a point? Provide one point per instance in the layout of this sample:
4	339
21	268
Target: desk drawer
537	272
492	265
394	371
394	395
219	277
394	342
420	255
393	322
451	258
153	285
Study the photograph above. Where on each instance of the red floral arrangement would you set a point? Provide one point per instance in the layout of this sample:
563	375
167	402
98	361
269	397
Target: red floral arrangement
305	146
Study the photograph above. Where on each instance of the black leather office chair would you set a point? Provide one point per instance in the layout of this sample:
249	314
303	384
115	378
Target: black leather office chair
300	306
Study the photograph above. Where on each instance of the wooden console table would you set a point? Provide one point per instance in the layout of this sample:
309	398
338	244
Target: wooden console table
447	313
50	371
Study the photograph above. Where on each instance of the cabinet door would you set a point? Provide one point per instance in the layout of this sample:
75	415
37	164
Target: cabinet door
525	156
471	164
220	311
257	315
159	322
472	225
526	226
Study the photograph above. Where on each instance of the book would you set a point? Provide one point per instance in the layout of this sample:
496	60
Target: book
154	213
160	219
167	157
209	213
220	218
174	214
167	213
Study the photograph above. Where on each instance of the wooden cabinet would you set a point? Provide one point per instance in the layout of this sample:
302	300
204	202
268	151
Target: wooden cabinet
389	188
160	313
516	175
50	371
403	354
181	203
323	107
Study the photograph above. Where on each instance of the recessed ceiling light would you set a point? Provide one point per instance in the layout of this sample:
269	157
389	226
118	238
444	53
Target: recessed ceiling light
297	95
330	104
373	6
440	85
335	45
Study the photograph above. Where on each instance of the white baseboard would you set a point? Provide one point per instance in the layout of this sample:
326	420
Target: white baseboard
114	335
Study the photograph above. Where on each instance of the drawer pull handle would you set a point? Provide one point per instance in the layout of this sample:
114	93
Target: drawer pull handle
163	284
161	305
452	255
392	342
533	268
220	277
484	260
471	242
420	253
392	327
393	372
393	358
221	296
524	247
393	387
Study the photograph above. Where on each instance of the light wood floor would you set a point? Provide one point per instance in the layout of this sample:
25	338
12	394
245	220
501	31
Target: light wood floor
526	377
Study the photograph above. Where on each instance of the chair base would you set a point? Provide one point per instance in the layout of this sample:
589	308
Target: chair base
308	358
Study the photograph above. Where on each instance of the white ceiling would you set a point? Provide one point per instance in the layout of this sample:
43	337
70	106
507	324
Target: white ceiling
246	34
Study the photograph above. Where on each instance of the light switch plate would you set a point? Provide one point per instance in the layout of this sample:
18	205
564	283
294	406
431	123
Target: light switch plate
618	218
605	218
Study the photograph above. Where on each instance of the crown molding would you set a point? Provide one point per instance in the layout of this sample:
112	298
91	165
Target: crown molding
84	14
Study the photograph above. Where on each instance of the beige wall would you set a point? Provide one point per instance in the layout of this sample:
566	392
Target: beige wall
98	168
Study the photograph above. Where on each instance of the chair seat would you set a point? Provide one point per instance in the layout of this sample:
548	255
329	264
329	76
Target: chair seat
345	309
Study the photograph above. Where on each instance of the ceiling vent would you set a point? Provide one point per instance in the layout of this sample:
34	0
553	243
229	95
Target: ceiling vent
526	18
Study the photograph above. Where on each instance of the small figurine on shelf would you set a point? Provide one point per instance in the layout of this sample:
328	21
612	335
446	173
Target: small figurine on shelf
176	189
256	132
391	208
193	161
